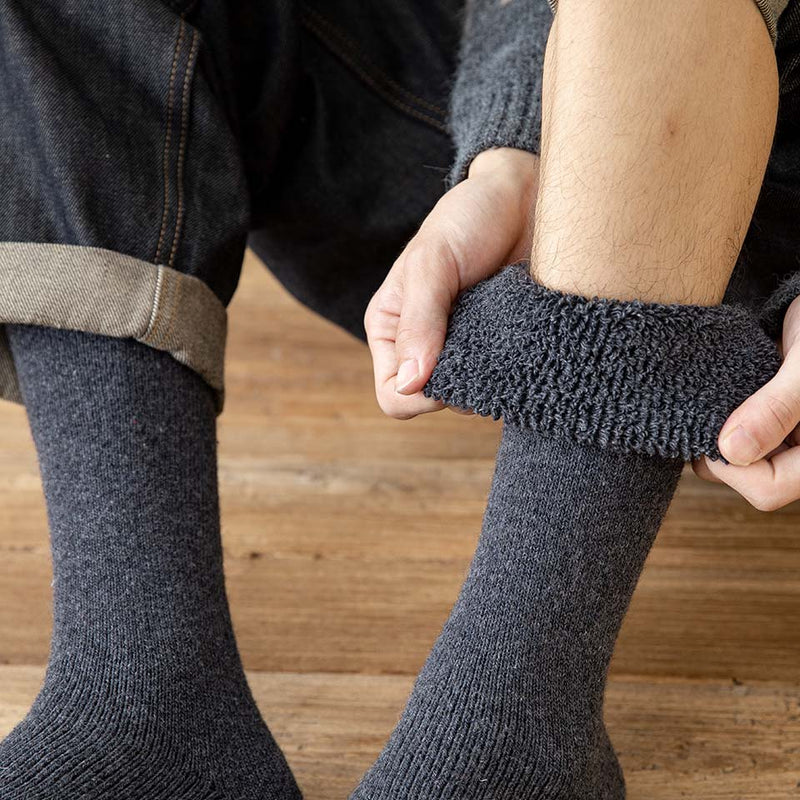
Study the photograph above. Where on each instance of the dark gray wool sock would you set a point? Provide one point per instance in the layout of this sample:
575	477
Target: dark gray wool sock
144	697
602	401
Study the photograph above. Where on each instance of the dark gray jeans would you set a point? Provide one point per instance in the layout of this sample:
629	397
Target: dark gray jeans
144	143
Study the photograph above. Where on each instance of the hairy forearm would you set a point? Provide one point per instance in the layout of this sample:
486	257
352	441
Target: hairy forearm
658	122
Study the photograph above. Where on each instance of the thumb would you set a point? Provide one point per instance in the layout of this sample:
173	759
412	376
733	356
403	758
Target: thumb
766	418
430	285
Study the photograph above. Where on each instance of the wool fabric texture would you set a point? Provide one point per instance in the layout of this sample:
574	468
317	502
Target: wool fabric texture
637	377
145	697
508	705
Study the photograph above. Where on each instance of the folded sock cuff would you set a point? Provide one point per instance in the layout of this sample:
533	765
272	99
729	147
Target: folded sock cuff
642	377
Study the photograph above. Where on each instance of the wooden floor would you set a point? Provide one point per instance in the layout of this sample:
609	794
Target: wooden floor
347	536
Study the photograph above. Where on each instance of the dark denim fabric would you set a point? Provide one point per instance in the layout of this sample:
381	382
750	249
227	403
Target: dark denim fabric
117	131
170	130
177	131
771	248
367	150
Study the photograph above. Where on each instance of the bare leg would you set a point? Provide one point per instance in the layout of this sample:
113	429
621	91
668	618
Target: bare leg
658	122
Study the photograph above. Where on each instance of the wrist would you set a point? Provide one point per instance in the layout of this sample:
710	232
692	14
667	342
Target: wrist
508	160
512	170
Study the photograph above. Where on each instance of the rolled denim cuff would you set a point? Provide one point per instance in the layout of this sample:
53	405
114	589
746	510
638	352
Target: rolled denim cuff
101	291
640	377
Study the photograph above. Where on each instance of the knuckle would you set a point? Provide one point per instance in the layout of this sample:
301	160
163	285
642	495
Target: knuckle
391	408
385	405
431	256
369	314
763	500
782	410
375	305
408	338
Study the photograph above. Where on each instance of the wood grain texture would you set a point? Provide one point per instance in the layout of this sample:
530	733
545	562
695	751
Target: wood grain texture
347	536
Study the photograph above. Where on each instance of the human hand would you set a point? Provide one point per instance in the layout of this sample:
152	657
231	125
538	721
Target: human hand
481	224
761	438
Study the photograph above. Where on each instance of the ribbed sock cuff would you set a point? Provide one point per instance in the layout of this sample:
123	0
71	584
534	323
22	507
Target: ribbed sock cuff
641	377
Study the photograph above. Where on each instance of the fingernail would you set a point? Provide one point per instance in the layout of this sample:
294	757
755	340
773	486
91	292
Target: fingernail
409	370
739	447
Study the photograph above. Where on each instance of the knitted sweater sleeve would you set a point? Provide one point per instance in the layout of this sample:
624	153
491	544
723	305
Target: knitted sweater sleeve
497	95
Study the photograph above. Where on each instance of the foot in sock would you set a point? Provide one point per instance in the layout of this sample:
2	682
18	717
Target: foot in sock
602	401
508	705
144	697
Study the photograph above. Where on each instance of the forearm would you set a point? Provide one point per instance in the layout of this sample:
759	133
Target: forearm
658	122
